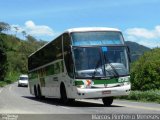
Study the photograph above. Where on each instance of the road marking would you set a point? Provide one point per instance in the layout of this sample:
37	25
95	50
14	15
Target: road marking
65	107
126	105
1	90
139	107
90	101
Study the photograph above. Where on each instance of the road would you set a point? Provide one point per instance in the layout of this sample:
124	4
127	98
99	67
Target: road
18	101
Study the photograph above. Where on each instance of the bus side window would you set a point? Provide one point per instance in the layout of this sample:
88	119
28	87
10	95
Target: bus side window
68	55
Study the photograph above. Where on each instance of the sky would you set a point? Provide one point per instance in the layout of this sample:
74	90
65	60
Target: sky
139	20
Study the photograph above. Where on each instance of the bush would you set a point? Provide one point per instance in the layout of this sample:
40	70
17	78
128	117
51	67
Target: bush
145	72
146	96
11	77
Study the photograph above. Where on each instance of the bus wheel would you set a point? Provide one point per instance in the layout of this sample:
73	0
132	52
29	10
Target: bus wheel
39	94
107	101
35	92
64	98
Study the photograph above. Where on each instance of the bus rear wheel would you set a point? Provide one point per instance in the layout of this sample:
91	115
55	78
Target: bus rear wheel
39	93
107	101
35	92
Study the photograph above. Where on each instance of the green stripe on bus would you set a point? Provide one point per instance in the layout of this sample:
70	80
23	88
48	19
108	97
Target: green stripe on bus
97	82
110	81
79	83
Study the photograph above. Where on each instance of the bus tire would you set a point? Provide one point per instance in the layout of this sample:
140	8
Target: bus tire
39	93
35	92
63	93
107	101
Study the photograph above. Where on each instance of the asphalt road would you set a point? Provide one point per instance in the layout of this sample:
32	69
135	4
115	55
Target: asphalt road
16	102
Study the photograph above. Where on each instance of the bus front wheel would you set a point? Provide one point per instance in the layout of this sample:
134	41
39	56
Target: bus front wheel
64	98
107	101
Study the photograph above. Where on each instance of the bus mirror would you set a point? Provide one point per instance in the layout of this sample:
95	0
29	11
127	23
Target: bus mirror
69	48
128	53
128	49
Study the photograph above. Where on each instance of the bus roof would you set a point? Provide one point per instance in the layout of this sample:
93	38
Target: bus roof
87	29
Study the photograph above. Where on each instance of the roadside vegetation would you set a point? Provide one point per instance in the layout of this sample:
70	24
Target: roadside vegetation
14	53
145	72
143	96
145	78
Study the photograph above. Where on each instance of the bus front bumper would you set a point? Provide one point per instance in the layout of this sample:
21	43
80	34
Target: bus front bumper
102	92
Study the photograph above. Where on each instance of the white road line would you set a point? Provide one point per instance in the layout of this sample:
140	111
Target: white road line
90	101
127	105
65	107
139	107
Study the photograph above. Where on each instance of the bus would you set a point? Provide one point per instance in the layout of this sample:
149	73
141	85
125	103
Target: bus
81	63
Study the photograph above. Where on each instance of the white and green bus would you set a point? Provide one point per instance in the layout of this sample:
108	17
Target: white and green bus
81	63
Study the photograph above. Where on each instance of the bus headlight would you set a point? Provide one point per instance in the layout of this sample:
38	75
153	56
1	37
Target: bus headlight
88	83
126	83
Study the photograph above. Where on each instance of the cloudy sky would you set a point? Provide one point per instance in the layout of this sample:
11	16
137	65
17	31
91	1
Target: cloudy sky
139	20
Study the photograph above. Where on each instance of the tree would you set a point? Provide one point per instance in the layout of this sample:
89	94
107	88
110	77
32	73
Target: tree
3	61
4	26
14	54
24	33
145	73
16	29
31	39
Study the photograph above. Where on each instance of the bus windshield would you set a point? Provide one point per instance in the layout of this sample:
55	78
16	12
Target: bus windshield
87	60
96	62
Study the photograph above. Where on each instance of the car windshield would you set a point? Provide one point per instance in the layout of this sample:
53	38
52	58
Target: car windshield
23	78
100	61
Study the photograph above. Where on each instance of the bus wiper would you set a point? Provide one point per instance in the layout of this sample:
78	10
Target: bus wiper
95	69
97	65
110	64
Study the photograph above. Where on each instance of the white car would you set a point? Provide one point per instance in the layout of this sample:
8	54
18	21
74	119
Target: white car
23	80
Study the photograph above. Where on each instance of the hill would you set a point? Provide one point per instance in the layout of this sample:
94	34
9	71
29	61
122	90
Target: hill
136	50
17	51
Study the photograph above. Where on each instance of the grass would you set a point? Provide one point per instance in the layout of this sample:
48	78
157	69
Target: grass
143	96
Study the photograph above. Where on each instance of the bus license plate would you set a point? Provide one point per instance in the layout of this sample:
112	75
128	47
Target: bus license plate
106	92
